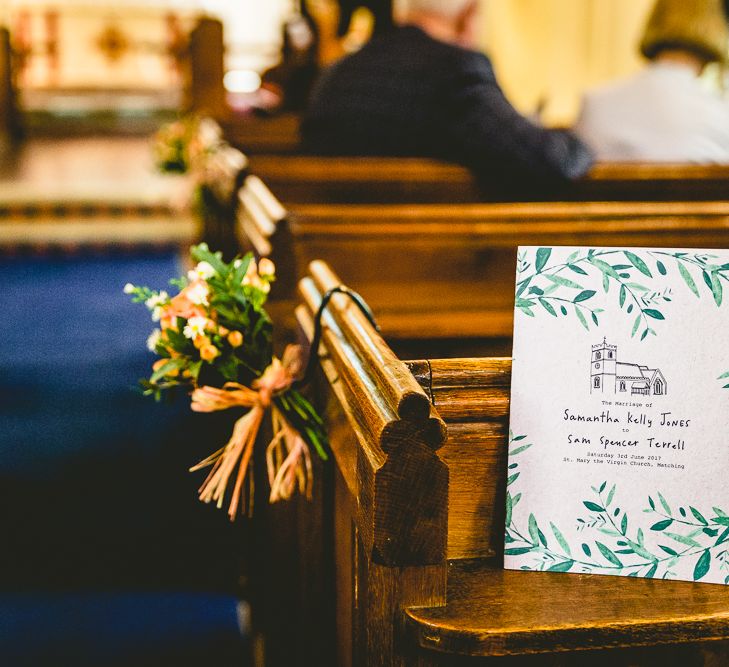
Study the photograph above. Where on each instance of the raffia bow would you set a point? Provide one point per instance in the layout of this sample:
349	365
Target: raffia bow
287	455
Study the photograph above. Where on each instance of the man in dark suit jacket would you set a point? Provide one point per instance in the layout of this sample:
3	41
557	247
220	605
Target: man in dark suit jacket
420	90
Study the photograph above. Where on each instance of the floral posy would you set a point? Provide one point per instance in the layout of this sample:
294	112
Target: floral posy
214	340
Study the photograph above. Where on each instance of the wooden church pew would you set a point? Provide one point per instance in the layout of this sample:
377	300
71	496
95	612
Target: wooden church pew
376	180
436	272
413	524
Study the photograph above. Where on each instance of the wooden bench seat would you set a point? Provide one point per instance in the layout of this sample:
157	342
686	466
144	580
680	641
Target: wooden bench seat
496	612
412	525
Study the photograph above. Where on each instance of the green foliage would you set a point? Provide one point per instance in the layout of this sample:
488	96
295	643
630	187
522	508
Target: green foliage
232	302
613	547
552	289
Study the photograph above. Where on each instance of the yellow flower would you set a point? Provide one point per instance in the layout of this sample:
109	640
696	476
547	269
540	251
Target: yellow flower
235	338
222	331
209	352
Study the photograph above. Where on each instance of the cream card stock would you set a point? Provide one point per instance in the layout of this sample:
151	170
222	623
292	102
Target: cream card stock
619	427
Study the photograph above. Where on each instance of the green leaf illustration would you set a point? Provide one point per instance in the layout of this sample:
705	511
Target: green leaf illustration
662	525
584	295
699	517
509	508
688	279
683	539
623	292
722	538
519	450
577	269
547	306
604	267
542	258
517	551
523	285
561	567
560	539
587	550
664	504
636	324
668	550
608	554
716	288
581	318
655	314
564	282
702	565
533	529
638	263
661	268
593	507
512	478
610	495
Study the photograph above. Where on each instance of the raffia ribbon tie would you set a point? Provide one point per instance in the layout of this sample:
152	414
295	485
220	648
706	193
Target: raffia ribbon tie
287	455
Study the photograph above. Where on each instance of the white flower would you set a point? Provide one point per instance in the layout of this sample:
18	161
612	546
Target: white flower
198	294
237	263
129	288
157	300
153	340
195	327
266	267
157	314
203	271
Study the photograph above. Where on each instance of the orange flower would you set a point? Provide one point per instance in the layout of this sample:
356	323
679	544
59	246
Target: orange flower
235	338
209	352
201	341
223	331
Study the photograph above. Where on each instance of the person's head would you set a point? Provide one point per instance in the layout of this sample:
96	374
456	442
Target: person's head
696	27
449	20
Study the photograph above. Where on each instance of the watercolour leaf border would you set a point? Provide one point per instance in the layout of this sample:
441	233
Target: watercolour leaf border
614	542
558	288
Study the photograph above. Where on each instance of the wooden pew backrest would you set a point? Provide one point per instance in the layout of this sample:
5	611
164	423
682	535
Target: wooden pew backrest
346	180
439	272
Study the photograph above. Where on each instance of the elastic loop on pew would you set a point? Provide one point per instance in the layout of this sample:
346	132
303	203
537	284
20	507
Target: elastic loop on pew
316	339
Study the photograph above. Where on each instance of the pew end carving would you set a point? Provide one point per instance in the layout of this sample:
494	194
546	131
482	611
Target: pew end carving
419	486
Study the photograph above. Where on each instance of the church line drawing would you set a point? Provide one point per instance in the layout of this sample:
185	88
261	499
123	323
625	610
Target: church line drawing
610	376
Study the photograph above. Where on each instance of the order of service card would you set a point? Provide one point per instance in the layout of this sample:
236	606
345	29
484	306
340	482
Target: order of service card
619	427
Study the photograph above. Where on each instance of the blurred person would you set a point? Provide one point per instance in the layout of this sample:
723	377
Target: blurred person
288	83
421	89
665	113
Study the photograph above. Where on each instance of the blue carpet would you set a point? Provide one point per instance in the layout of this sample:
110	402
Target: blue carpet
123	630
95	496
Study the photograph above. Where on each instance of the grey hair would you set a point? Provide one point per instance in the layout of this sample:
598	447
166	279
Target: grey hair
447	8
